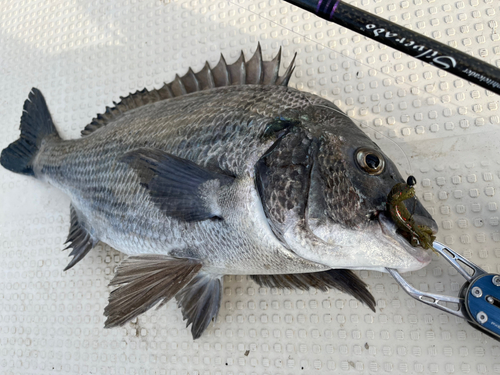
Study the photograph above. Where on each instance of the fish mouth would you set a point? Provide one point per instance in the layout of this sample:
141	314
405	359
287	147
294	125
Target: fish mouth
390	230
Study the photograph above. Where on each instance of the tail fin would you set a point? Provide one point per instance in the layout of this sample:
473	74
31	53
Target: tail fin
36	124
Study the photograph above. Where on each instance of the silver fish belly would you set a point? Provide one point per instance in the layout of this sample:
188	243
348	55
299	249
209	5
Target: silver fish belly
224	171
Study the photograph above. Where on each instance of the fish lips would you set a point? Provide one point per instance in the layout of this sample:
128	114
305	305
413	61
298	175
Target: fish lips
390	229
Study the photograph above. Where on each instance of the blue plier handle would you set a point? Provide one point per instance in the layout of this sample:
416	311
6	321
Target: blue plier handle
478	301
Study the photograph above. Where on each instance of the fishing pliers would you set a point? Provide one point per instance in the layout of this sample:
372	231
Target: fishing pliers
478	300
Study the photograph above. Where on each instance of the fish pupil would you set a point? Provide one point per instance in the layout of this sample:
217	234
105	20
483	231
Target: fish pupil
372	161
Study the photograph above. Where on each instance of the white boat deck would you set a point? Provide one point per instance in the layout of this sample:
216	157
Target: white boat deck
84	54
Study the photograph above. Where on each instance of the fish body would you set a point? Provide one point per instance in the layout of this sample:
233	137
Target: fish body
216	130
226	171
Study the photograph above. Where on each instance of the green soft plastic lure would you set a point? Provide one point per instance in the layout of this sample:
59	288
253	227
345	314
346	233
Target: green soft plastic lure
420	234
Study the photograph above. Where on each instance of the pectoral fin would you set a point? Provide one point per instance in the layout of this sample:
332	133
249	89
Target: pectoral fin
143	282
179	187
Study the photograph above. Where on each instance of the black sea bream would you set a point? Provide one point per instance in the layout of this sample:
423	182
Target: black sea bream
224	171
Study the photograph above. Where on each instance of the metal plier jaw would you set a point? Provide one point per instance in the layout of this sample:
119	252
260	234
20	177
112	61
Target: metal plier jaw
478	301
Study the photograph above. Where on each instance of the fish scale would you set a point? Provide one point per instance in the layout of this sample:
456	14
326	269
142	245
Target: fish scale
195	181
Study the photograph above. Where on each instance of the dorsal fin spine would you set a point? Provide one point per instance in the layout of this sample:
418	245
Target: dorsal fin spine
206	77
166	92
190	76
283	80
255	68
156	95
237	71
222	76
271	69
178	87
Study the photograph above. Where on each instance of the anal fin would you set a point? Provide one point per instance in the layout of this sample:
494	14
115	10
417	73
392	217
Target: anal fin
200	302
80	238
344	280
143	282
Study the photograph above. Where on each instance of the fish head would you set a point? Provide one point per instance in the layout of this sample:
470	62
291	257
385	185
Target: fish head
347	217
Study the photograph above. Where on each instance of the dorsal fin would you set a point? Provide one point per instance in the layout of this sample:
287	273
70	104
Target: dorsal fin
255	71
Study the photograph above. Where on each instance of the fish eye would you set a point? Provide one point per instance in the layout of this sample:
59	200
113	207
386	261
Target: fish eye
371	161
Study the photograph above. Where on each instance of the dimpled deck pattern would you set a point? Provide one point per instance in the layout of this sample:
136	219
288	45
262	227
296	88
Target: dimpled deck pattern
84	54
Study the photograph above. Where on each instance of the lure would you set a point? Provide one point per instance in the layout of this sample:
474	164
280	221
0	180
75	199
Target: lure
420	234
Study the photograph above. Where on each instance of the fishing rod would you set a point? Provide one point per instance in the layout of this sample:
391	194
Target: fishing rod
405	40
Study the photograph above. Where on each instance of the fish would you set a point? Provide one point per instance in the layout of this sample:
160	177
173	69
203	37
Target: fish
226	171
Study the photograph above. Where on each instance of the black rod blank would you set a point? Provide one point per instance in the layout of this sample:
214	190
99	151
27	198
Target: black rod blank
405	40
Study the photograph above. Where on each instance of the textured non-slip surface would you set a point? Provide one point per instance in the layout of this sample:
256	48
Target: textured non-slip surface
84	54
